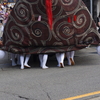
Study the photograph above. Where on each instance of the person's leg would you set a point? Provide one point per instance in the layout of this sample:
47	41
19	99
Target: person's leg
41	59
44	58
26	60
58	59
62	55
72	53
68	57
13	59
22	60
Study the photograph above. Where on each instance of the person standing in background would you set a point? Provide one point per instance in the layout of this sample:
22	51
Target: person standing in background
98	23
11	1
1	14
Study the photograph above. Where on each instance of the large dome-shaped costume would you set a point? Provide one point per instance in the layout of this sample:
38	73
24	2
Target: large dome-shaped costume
65	25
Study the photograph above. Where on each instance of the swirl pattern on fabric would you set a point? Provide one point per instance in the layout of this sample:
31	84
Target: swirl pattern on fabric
72	29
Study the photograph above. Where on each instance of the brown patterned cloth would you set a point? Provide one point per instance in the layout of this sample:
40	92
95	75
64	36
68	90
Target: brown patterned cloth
73	27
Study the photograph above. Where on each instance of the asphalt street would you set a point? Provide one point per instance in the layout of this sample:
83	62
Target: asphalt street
53	83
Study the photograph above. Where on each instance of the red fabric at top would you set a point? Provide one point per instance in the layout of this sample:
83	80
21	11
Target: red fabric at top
48	4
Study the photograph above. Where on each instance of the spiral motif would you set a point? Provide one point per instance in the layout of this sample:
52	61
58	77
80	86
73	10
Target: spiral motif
63	29
69	4
57	11
88	36
38	29
41	9
83	21
37	33
15	33
22	14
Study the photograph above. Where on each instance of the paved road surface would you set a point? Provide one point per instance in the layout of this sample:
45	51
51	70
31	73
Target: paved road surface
53	83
